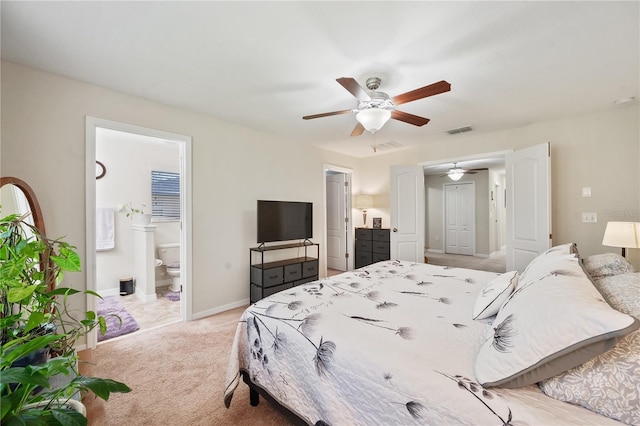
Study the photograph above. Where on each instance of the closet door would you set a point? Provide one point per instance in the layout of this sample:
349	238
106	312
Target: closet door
460	218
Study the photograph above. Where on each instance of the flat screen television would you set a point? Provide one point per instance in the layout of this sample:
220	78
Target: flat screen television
284	221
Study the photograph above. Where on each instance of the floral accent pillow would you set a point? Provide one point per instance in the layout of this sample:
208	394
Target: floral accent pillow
494	294
606	265
608	384
535	335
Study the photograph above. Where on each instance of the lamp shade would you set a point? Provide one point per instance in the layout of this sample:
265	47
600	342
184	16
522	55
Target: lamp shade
373	118
455	174
622	234
364	201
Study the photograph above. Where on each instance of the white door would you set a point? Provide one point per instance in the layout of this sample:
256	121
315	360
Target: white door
336	221
528	186
460	218
406	193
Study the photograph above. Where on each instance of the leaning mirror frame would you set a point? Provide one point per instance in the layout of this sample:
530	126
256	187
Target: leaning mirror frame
36	212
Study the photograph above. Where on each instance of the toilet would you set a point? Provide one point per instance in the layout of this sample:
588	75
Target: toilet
169	254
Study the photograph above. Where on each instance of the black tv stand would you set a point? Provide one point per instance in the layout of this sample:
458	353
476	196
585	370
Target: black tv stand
271	277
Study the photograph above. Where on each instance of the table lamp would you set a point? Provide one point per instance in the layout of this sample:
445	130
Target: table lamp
622	234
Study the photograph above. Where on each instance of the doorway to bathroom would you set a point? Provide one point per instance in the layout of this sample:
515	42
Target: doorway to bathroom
139	170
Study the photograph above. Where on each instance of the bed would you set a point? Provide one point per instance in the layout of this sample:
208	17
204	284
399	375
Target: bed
406	343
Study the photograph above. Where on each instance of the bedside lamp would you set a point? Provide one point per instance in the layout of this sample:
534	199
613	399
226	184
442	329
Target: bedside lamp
622	234
364	202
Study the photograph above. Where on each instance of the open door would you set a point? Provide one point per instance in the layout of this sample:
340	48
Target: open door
528	187
337	224
406	193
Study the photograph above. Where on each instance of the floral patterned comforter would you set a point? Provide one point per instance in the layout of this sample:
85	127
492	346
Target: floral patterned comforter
392	343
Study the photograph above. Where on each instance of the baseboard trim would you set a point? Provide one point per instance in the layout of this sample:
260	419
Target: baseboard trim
434	251
219	309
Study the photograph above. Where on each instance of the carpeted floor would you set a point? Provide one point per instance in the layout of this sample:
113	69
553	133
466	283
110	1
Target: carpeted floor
177	377
109	307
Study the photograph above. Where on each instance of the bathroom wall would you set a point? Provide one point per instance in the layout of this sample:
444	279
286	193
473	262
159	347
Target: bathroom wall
129	160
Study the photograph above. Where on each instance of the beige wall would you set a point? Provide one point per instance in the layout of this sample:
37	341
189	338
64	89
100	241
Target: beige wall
599	150
43	142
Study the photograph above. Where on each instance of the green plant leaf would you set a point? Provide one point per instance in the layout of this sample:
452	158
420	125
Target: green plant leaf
35	319
24	376
69	417
68	260
101	387
18	294
103	325
66	291
25	348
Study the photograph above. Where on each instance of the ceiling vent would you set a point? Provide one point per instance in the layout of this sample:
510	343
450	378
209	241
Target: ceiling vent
460	130
385	146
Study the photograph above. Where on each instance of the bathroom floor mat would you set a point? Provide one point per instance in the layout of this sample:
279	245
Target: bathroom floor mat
110	306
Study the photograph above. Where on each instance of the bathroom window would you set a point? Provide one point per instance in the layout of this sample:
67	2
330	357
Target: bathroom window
165	195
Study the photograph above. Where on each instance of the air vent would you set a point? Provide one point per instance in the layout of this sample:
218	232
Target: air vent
385	146
460	130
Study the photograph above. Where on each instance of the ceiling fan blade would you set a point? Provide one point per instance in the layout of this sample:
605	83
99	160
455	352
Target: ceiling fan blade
423	92
354	88
358	130
409	118
326	114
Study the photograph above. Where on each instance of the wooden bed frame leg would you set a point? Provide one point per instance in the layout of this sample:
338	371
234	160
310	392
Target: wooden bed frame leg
254	397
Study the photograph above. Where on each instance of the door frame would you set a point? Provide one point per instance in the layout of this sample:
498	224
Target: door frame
444	216
348	175
457	160
91	126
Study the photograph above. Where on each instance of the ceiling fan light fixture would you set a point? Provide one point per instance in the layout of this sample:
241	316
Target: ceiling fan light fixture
455	174
373	118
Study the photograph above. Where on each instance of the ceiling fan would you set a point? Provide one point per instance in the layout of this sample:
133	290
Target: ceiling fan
455	173
375	108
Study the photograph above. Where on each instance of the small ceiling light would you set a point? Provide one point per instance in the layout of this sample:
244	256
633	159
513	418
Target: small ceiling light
456	173
373	118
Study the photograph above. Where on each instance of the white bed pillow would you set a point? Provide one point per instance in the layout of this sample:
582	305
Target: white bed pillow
608	384
494	294
555	320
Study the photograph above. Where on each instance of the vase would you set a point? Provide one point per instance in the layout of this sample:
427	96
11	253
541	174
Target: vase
142	219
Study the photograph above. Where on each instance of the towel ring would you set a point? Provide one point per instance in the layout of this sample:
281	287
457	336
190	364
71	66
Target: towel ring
101	170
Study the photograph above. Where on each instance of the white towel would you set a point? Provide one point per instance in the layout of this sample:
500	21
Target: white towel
104	228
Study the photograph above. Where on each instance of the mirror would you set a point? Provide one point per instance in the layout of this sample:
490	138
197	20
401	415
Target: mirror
16	196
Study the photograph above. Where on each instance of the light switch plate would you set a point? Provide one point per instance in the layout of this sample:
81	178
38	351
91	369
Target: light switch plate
586	192
589	217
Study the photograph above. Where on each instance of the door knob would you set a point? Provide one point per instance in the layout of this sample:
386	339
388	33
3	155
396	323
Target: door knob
395	229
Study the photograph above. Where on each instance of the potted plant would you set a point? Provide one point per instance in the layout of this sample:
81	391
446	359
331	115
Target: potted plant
137	214
35	318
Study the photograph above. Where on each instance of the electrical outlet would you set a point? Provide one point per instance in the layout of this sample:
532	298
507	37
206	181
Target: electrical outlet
589	217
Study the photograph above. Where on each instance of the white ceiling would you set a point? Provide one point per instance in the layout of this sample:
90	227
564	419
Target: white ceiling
266	64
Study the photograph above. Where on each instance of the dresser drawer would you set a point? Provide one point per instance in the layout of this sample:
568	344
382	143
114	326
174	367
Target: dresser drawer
381	235
379	257
364	234
268	277
309	268
292	272
363	259
363	245
380	247
258	292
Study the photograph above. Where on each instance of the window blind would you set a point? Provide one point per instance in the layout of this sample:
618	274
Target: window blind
165	195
